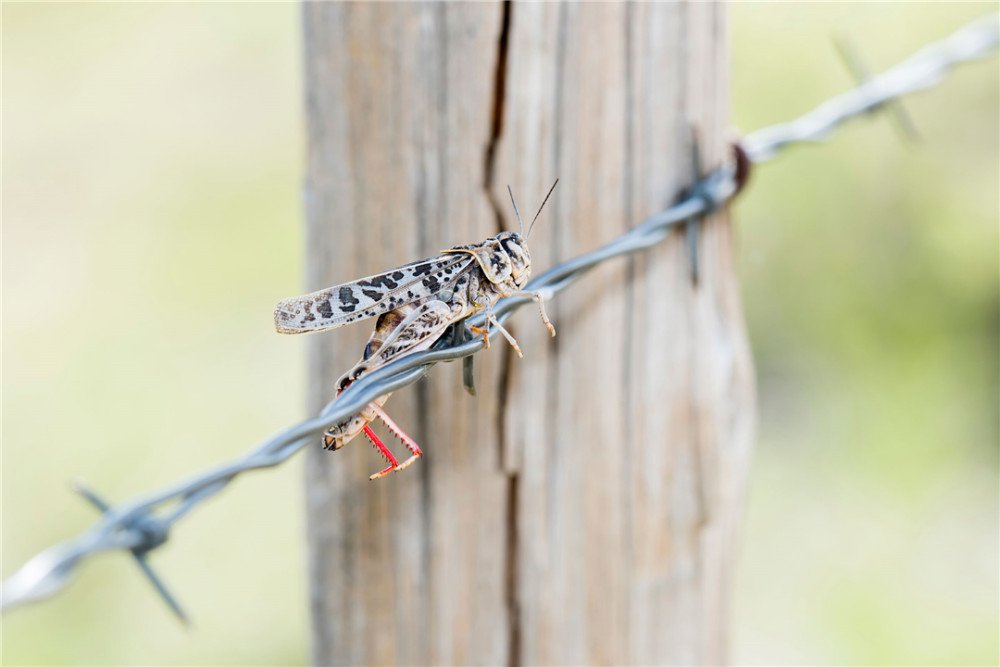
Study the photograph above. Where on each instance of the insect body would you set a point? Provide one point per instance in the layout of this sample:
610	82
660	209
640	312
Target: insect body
415	304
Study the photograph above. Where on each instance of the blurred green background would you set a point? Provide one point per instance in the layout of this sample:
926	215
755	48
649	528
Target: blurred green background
152	170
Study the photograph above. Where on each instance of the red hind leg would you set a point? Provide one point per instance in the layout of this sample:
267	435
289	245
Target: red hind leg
399	433
384	451
380	446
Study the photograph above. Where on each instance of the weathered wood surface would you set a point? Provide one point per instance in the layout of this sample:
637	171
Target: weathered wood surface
585	506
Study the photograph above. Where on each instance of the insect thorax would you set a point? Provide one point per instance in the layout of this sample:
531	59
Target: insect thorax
503	261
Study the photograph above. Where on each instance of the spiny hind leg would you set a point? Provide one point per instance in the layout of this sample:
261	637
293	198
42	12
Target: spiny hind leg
383	450
401	434
332	439
537	296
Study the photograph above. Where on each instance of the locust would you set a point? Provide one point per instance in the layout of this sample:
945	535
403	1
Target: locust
415	304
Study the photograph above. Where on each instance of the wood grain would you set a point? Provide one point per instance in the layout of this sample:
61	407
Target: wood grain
585	506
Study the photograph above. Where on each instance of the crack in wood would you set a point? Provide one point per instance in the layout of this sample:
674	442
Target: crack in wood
511	508
496	123
511	575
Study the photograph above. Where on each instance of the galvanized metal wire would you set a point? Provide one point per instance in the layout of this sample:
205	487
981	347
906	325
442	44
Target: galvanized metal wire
141	524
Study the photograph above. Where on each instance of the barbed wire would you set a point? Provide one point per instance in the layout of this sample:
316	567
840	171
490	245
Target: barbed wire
143	523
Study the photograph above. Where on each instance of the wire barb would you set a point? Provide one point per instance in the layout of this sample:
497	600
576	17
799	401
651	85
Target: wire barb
153	536
850	54
461	334
924	69
135	526
693	227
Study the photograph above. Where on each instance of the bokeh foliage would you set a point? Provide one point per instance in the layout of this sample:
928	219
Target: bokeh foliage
152	169
870	270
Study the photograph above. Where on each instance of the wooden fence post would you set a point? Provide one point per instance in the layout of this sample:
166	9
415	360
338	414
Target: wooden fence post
585	506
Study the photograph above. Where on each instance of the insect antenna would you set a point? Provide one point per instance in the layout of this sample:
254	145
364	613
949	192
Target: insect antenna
520	227
531	226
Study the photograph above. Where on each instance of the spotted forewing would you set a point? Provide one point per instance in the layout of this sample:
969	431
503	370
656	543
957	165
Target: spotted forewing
369	297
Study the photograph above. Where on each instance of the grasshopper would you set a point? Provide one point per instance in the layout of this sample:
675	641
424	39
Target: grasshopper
415	304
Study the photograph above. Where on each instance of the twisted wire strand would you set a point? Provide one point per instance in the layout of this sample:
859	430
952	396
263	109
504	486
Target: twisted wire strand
134	525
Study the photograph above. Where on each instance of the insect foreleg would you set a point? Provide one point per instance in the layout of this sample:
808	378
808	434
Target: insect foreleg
485	331
483	304
537	296
492	319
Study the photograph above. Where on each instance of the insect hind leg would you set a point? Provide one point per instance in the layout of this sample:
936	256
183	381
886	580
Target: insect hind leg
337	436
410	443
383	450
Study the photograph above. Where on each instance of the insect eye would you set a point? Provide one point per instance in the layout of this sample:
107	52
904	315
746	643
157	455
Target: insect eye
509	246
369	348
446	295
